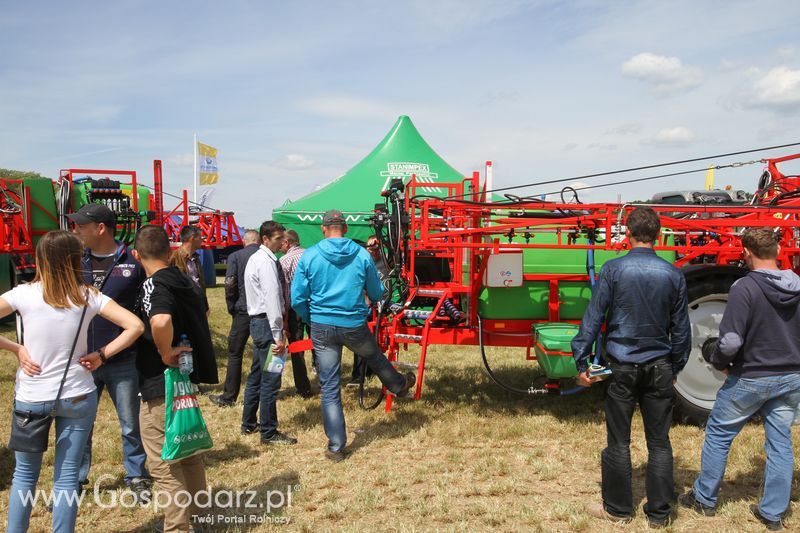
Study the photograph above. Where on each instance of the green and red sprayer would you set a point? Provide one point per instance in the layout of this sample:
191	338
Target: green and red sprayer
32	206
469	270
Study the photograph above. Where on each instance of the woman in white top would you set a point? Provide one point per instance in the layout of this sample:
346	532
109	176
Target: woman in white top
51	307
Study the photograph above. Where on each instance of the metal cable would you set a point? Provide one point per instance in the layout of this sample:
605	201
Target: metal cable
633	169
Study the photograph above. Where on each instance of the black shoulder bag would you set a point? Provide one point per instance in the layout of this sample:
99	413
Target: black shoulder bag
31	432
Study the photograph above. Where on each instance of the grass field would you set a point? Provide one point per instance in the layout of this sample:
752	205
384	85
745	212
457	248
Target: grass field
467	457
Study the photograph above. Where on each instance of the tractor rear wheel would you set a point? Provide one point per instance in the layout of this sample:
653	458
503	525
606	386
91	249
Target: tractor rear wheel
698	383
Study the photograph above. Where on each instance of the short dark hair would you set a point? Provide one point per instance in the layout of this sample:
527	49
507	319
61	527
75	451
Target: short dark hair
762	242
187	232
644	224
292	237
152	243
269	228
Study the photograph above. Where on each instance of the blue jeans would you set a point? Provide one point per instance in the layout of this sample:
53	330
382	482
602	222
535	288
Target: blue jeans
122	381
73	423
261	390
328	341
776	398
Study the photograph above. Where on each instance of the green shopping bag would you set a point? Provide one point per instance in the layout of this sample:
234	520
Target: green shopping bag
185	433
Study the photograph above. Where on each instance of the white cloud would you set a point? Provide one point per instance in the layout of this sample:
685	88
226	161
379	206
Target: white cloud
632	128
499	97
348	107
677	136
584	191
294	162
101	113
774	132
181	160
602	146
789	52
448	17
777	89
666	75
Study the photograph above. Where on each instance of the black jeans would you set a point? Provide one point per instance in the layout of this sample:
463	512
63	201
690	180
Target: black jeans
650	384
296	330
237	340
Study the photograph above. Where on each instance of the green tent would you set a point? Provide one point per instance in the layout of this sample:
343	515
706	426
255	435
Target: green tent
400	154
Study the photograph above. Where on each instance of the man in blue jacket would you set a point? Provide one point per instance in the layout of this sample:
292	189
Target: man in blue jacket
759	350
643	301
111	268
328	292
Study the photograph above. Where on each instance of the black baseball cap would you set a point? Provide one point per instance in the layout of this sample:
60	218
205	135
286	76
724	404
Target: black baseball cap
93	213
332	217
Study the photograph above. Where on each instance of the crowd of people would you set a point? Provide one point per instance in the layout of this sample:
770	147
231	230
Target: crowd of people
99	316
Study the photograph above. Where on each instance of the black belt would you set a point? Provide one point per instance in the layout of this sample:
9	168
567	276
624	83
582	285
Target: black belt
260	315
632	365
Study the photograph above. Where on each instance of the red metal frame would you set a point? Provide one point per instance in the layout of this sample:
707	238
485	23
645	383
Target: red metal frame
219	228
16	232
214	224
467	232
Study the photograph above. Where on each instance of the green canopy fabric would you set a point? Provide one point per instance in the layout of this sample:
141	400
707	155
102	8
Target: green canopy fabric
400	154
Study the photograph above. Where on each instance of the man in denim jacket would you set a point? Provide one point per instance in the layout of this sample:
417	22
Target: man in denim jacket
643	301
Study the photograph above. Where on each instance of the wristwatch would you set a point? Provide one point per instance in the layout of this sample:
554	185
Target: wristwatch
102	356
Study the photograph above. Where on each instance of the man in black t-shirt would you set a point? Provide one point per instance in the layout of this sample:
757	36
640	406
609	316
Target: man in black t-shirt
170	305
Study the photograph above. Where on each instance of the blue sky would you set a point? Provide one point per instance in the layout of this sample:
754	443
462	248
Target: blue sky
294	94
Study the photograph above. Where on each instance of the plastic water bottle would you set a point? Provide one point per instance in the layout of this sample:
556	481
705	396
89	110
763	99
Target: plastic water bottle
185	360
276	362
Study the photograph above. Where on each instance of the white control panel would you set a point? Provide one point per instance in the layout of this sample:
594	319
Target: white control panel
504	270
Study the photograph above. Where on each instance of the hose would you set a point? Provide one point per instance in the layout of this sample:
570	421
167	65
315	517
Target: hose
590	269
363	378
530	391
63	203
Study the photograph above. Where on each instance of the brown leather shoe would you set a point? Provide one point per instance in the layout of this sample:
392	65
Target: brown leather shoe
598	510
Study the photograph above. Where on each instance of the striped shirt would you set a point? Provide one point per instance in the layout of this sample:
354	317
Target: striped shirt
289	263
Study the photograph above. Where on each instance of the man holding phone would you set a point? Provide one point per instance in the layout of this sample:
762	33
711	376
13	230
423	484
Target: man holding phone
643	301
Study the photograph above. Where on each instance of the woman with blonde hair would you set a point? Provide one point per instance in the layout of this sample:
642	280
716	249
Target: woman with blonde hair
54	374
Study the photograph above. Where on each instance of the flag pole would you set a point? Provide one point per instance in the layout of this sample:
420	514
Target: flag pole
194	149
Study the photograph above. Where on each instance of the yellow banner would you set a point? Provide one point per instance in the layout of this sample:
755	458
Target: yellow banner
710	178
209	172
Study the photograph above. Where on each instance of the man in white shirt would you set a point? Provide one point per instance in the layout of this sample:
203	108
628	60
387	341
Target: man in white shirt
264	287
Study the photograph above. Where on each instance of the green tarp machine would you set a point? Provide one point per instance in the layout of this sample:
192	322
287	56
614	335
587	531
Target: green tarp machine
400	154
